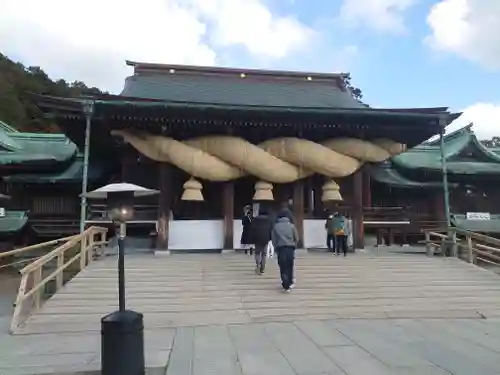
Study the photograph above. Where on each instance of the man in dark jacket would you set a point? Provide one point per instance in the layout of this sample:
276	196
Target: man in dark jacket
261	235
330	233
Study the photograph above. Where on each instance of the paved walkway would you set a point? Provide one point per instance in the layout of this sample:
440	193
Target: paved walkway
210	314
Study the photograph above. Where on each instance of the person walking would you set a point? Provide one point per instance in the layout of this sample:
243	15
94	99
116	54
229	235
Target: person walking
330	233
284	210
246	222
341	233
284	237
261	235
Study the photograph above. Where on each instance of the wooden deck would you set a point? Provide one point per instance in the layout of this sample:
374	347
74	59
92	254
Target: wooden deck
196	290
210	314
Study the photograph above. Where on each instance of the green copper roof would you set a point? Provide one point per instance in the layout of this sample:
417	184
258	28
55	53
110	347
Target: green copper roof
386	174
481	226
72	174
13	221
7	128
428	155
34	148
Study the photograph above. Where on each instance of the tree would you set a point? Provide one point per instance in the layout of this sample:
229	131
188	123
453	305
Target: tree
17	106
493	142
356	92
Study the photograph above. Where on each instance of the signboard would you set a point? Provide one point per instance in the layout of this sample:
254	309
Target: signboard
478	216
2	212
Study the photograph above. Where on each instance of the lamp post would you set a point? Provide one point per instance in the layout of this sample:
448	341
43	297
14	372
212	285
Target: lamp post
122	331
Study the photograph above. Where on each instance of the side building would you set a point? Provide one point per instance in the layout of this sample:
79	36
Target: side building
407	191
42	174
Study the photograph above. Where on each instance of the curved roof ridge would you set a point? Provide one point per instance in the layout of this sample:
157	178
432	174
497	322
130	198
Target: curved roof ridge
7	128
467	129
7	143
489	153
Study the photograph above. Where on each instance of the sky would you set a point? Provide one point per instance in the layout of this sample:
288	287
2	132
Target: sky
401	53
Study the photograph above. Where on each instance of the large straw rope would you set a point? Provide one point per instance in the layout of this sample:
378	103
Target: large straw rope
278	160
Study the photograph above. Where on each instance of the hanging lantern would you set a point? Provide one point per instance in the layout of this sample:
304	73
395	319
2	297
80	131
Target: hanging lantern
192	191
331	192
263	191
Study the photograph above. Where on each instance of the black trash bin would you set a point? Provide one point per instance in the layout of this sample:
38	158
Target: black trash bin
122	343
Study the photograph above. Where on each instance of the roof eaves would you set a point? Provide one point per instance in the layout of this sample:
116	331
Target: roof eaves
465	130
386	174
13	221
215	106
489	153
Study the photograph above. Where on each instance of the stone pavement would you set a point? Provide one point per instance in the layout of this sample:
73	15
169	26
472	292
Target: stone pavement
210	314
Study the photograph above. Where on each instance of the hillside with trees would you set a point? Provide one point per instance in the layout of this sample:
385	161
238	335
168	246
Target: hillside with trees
17	107
493	142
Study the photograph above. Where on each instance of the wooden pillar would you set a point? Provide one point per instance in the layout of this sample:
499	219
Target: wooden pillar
310	198
228	208
298	210
318	204
367	192
164	205
439	212
357	219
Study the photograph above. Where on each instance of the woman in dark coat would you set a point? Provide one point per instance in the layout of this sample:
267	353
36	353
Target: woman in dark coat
246	234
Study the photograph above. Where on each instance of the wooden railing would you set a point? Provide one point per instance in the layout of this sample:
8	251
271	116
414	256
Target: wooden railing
31	292
470	246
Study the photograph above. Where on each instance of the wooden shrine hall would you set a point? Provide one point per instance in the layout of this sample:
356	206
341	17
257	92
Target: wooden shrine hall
213	140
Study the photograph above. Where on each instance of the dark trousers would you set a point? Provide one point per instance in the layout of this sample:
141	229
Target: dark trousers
330	242
286	261
341	243
260	257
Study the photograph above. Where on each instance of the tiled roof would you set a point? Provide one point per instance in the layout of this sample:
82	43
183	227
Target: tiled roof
35	148
428	155
13	221
386	174
71	174
254	90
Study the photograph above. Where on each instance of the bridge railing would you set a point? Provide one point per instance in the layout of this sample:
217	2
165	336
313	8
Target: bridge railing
470	246
50	267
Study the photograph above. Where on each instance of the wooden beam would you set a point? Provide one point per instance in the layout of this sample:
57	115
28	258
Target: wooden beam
164	205
357	217
298	209
228	208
